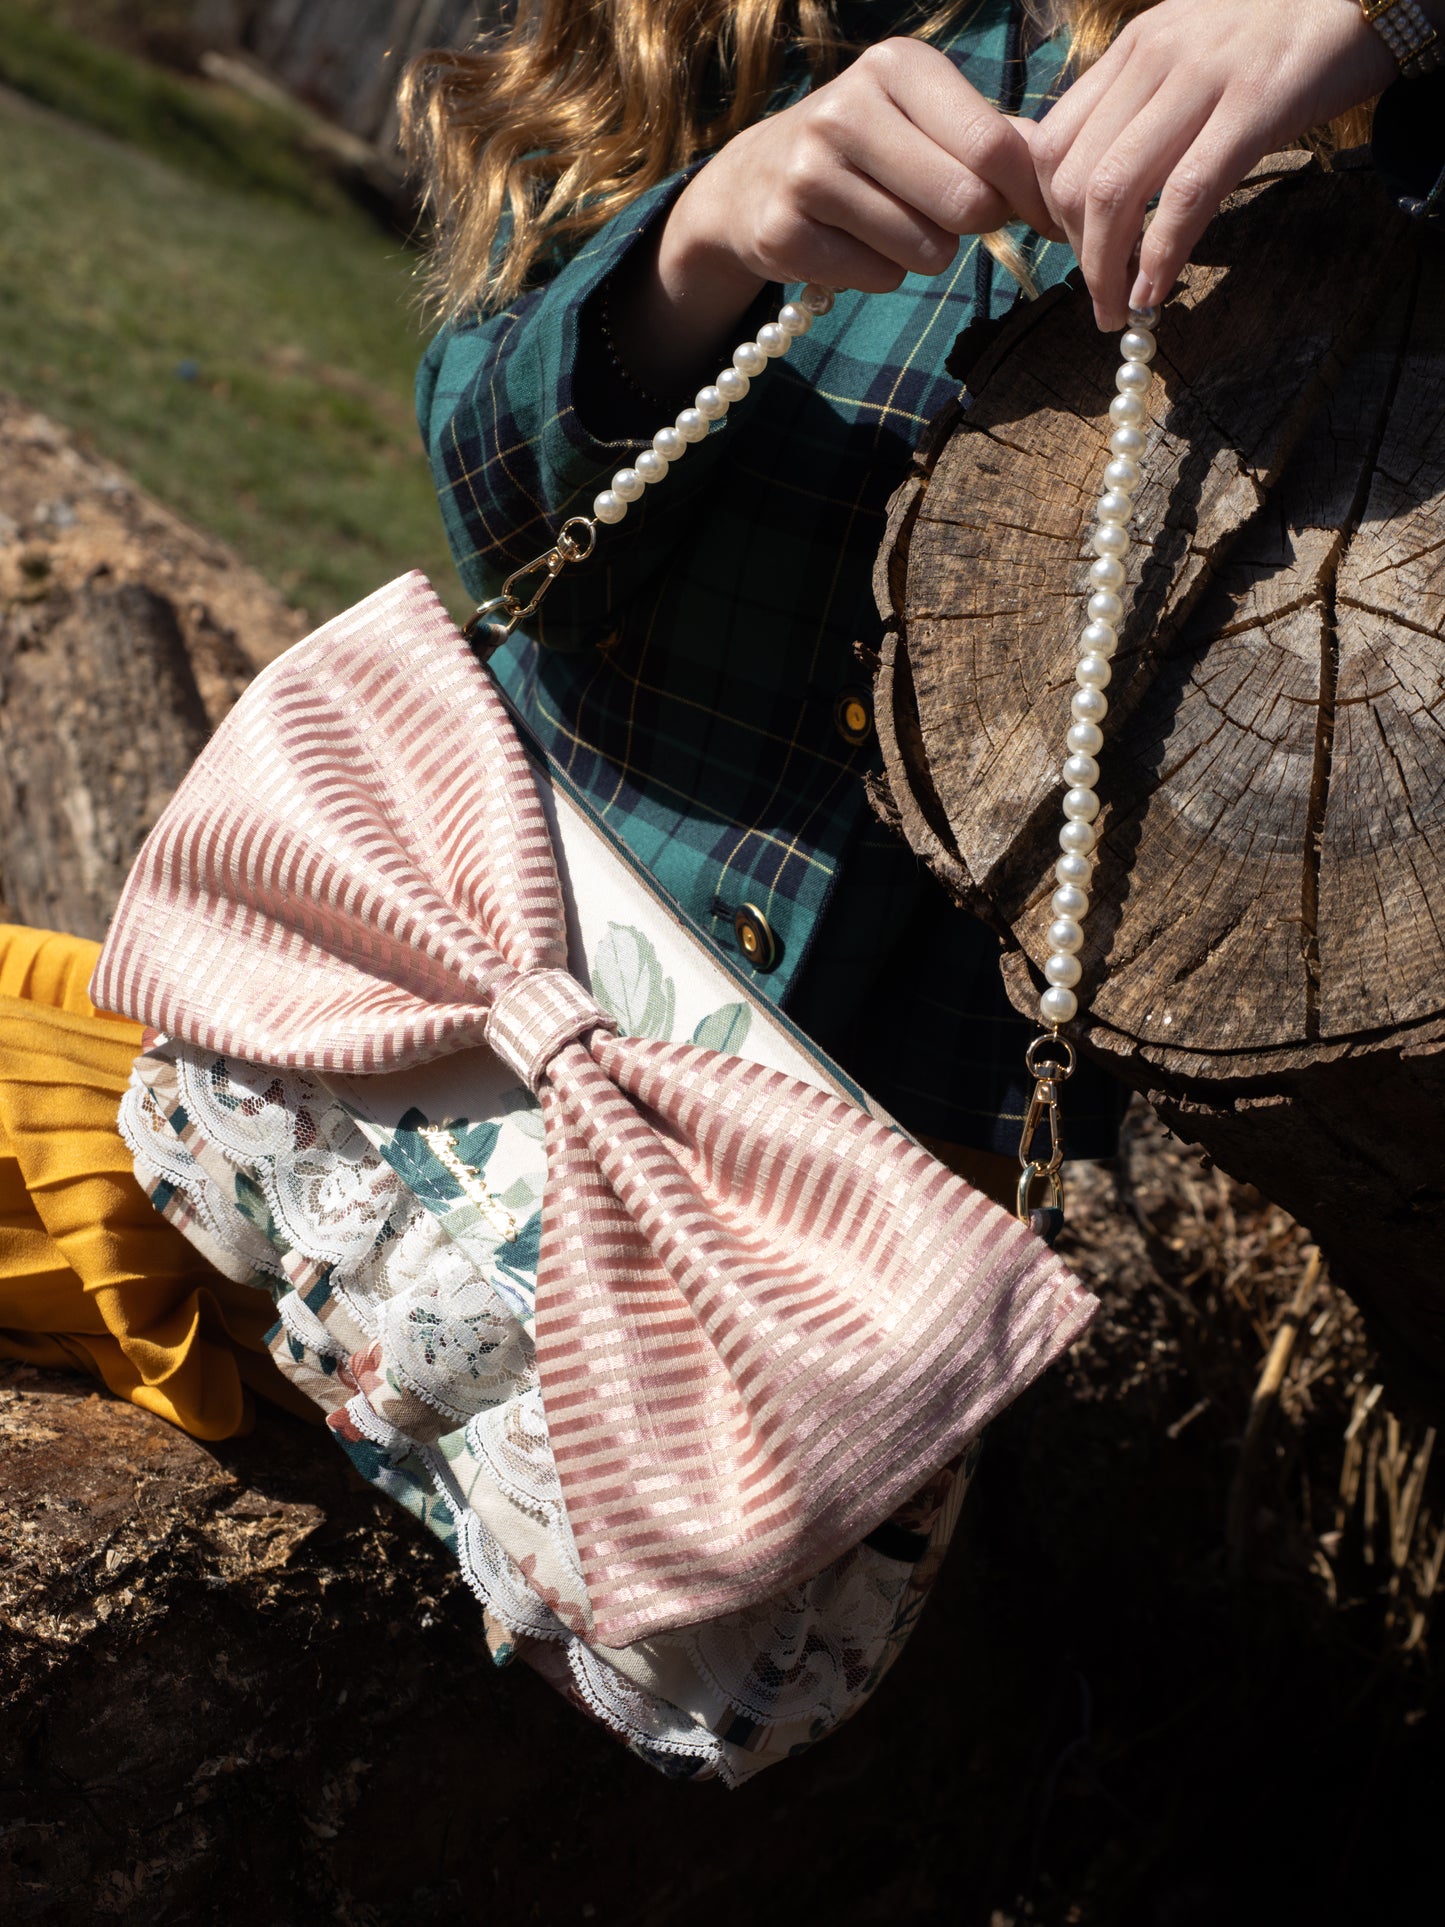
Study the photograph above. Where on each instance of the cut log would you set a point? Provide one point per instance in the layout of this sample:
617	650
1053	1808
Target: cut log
1264	955
124	638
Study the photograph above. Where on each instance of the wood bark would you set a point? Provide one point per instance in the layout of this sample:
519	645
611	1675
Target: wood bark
124	638
1264	955
344	57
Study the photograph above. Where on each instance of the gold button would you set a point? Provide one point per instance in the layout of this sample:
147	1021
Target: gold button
853	716
755	937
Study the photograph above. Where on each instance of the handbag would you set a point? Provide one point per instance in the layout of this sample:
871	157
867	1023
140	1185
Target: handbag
592	1260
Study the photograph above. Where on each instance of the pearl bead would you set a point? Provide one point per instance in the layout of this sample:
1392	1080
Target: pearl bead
1110	539
1085	739
669	444
1137	344
1133	378
1113	506
1098	639
1063	969
1068	901
1143	317
627	485
711	402
1057	1005
816	300
1093	672
1124	474
1127	441
1076	868
1107	573
1126	411
650	465
794	319
1078	837
1080	772
774	340
1065	936
1089	705
1105	606
692	425
609	506
1080	805
749	359
732	384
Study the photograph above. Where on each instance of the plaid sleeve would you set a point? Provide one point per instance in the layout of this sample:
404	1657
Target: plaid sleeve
512	456
1408	144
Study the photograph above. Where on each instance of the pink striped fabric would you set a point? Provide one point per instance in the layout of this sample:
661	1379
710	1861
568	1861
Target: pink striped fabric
763	1318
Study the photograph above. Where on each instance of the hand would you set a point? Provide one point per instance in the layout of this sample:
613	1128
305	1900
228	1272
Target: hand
872	177
1188	98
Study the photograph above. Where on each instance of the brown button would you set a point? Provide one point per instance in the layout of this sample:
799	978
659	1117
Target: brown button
755	937
853	716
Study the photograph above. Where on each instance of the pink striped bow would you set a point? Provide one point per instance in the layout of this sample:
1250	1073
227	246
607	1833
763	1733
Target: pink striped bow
762	1318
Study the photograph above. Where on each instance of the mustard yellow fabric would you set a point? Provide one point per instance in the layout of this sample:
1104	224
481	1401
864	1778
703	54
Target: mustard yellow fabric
91	1276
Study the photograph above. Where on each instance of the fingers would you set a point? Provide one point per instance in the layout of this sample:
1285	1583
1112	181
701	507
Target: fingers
1190	95
996	176
849	220
1143	159
905	162
907	119
1211	168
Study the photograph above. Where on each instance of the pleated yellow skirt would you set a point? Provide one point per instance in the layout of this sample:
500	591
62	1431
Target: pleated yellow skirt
91	1276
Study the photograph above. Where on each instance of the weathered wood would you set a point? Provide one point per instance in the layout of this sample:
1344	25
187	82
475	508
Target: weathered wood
124	638
1264	956
345	57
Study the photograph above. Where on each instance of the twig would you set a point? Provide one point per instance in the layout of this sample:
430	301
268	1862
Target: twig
1261	1409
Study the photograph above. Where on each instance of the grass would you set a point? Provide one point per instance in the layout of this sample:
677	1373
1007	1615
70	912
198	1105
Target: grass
243	346
208	133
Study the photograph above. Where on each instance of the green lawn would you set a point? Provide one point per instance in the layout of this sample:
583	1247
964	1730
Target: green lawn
247	357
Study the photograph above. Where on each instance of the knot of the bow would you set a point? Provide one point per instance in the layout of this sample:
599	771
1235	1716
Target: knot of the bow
534	1014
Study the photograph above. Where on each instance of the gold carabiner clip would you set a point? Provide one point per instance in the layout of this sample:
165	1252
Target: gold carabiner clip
1048	1072
503	612
1028	1177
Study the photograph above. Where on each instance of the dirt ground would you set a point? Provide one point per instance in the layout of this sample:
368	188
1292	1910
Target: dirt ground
235	1689
1179	1668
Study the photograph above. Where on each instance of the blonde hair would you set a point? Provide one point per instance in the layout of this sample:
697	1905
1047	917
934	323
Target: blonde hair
532	138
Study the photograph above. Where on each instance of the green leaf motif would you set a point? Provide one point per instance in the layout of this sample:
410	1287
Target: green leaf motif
724	1029
630	984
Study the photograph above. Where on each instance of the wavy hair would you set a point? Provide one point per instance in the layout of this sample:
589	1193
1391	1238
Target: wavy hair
532	138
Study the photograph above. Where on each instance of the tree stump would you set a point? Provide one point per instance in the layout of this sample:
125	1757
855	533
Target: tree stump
1264	956
124	638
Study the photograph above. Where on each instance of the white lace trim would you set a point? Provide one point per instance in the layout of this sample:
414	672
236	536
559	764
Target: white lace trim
445	1349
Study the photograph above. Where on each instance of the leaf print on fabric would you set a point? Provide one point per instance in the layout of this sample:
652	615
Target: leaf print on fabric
417	1164
630	984
252	1204
475	1143
724	1029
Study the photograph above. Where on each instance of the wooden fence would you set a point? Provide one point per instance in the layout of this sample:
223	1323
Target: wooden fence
342	56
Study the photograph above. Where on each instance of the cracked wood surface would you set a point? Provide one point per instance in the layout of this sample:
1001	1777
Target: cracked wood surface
1264	955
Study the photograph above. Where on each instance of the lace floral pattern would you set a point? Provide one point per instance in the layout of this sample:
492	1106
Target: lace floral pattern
407	1321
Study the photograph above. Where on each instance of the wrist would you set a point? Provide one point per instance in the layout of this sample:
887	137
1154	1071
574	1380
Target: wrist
705	286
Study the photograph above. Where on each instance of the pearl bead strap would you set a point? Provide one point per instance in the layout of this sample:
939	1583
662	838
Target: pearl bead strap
493	621
712	403
1051	1058
1109	539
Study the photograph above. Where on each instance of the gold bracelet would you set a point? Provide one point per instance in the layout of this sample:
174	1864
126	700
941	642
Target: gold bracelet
1407	33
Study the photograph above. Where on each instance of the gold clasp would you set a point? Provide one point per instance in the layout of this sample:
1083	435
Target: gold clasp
1049	1061
576	540
1025	1207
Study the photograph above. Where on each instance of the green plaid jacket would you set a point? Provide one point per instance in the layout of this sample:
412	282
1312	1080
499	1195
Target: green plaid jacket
688	677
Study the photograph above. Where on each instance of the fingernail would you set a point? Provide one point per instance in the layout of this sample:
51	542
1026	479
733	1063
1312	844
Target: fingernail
1143	293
